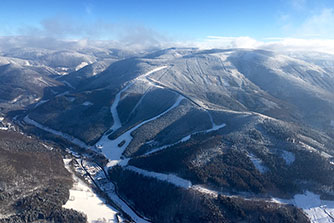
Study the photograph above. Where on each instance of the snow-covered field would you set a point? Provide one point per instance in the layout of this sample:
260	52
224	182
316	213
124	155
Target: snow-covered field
317	210
83	199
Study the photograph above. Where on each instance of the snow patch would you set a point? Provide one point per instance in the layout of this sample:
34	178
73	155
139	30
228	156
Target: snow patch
288	157
257	163
81	65
16	99
87	103
332	123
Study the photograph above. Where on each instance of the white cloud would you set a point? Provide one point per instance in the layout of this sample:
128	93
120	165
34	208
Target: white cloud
311	23
134	37
321	24
275	44
224	42
298	4
140	38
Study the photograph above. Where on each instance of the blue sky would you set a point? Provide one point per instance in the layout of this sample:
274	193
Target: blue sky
172	19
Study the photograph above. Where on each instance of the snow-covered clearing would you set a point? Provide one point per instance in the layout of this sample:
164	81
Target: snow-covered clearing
70	138
87	103
317	210
111	149
83	199
170	178
257	163
288	157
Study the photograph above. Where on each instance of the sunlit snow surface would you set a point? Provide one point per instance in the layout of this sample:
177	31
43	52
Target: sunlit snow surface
83	199
317	210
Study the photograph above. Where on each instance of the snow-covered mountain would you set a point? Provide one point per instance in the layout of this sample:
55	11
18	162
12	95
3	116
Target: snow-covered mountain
225	130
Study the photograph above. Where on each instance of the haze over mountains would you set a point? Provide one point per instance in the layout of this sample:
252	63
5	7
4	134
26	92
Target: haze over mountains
185	134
